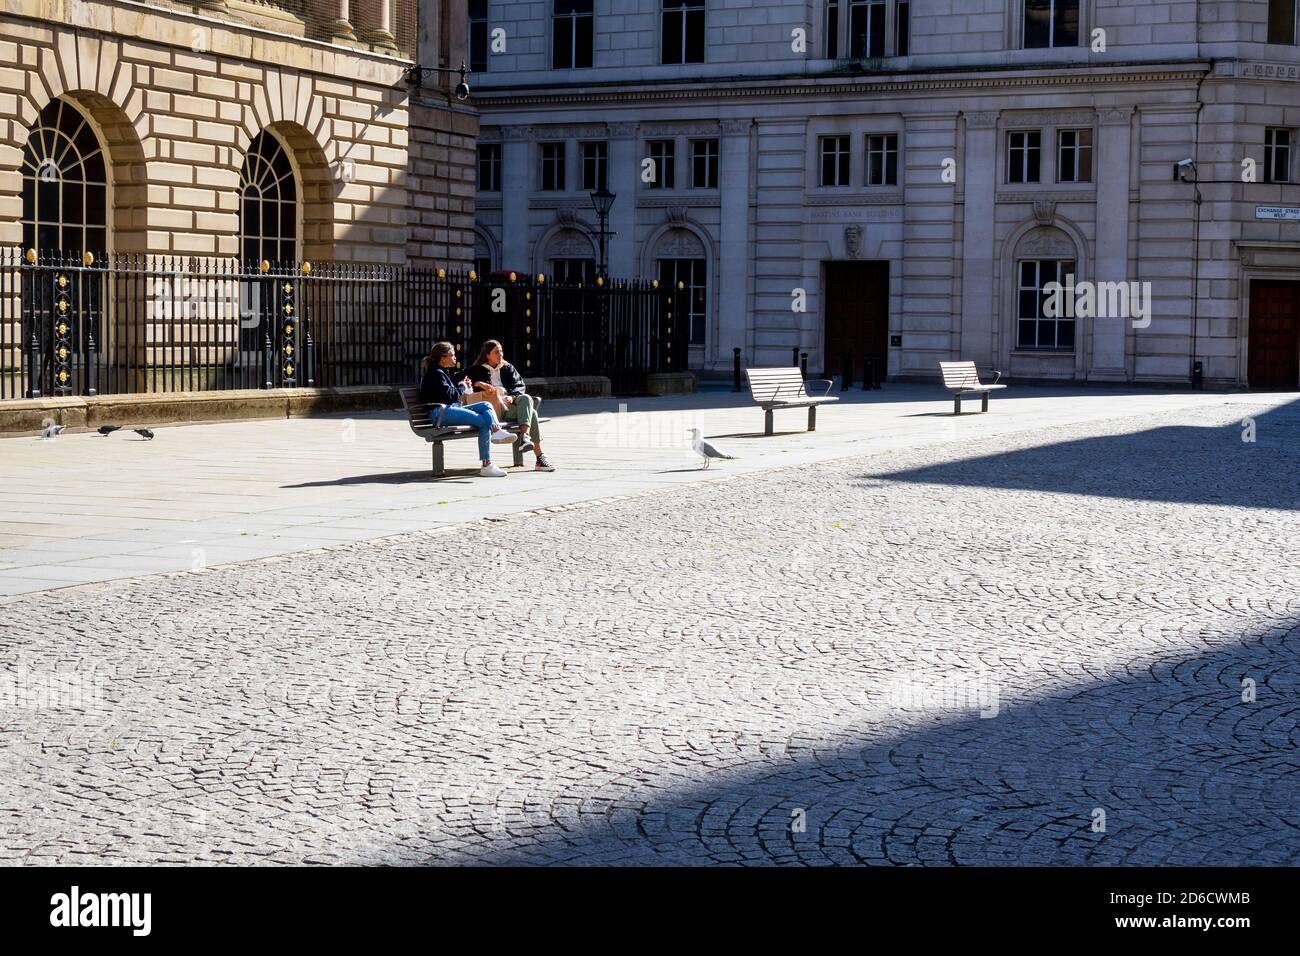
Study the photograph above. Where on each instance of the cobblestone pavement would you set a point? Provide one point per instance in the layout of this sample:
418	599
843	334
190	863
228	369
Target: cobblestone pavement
1077	645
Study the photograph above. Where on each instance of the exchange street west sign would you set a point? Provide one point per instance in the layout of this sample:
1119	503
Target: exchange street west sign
1278	212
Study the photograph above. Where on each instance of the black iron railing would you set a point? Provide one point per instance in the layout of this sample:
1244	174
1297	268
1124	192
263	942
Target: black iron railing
135	324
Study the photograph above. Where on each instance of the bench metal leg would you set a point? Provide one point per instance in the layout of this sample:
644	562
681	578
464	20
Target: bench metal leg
956	404
518	455
812	418
985	407
439	462
767	422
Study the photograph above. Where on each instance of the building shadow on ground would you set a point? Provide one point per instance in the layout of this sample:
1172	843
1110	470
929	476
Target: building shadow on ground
1160	764
1182	464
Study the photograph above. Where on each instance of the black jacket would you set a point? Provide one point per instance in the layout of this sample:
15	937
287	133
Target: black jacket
511	380
438	387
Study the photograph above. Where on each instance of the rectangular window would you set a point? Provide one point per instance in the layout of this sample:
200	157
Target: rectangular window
1074	156
882	160
572	32
1277	155
482	266
1051	23
478	36
691	274
489	167
663	155
902	28
1282	21
682	34
576	271
553	166
704	164
866	28
835	161
832	29
595	162
1035	329
1024	155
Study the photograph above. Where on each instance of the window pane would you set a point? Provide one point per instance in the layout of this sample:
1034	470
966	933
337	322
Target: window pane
1038	23
1026	338
672	37
1065	23
903	29
1281	21
877	30
695	36
583	43
562	43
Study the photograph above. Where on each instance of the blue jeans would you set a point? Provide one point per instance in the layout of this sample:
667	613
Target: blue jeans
480	415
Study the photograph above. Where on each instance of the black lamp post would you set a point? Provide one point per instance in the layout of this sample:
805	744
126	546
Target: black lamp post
603	200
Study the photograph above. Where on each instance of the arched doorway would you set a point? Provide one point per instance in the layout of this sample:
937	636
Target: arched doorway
268	204
65	185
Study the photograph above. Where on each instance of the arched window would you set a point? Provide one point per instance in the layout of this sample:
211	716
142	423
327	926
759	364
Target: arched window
268	212
65	186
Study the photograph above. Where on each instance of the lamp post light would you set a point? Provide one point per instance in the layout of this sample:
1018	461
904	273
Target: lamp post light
603	200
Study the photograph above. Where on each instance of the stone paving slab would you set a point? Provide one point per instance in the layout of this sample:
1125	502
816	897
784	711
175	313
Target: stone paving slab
204	485
1073	644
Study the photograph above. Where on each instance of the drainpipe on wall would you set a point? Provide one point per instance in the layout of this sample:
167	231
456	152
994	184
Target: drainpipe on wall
1193	378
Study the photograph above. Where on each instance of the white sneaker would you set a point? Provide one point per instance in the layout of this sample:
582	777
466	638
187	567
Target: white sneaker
491	471
503	435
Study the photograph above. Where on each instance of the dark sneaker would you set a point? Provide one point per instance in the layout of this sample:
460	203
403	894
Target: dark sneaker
525	444
543	464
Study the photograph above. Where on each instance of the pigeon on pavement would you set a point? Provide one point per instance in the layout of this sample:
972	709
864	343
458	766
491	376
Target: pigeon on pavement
144	433
107	430
705	450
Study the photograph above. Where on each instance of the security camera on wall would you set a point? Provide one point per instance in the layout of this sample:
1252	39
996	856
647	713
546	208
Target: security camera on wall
1183	168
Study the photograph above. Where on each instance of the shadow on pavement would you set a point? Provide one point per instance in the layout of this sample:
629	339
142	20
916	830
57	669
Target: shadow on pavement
1181	464
1184	771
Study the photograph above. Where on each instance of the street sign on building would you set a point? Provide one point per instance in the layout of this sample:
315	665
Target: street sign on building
1278	212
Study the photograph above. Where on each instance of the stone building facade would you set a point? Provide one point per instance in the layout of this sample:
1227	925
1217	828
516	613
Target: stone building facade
904	179
235	128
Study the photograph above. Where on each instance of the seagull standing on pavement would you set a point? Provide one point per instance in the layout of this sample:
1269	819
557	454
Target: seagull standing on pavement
705	450
52	431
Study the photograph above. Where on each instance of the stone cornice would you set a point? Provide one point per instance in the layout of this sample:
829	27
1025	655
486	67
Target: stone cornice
802	86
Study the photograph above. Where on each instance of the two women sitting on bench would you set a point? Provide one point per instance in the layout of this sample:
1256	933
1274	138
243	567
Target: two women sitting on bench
437	388
492	375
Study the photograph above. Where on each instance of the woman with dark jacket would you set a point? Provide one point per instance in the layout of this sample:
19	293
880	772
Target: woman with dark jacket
491	372
440	390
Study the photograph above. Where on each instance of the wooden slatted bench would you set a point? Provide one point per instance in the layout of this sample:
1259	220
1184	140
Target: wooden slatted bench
961	378
417	415
773	388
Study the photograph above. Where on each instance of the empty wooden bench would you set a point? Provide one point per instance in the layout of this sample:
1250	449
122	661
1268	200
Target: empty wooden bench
960	378
773	388
417	415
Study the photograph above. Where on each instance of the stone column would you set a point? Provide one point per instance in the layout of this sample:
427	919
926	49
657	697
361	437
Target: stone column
1108	361
978	246
516	170
378	29
624	167
340	27
733	264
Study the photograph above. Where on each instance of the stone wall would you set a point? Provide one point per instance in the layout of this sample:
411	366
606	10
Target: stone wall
177	98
